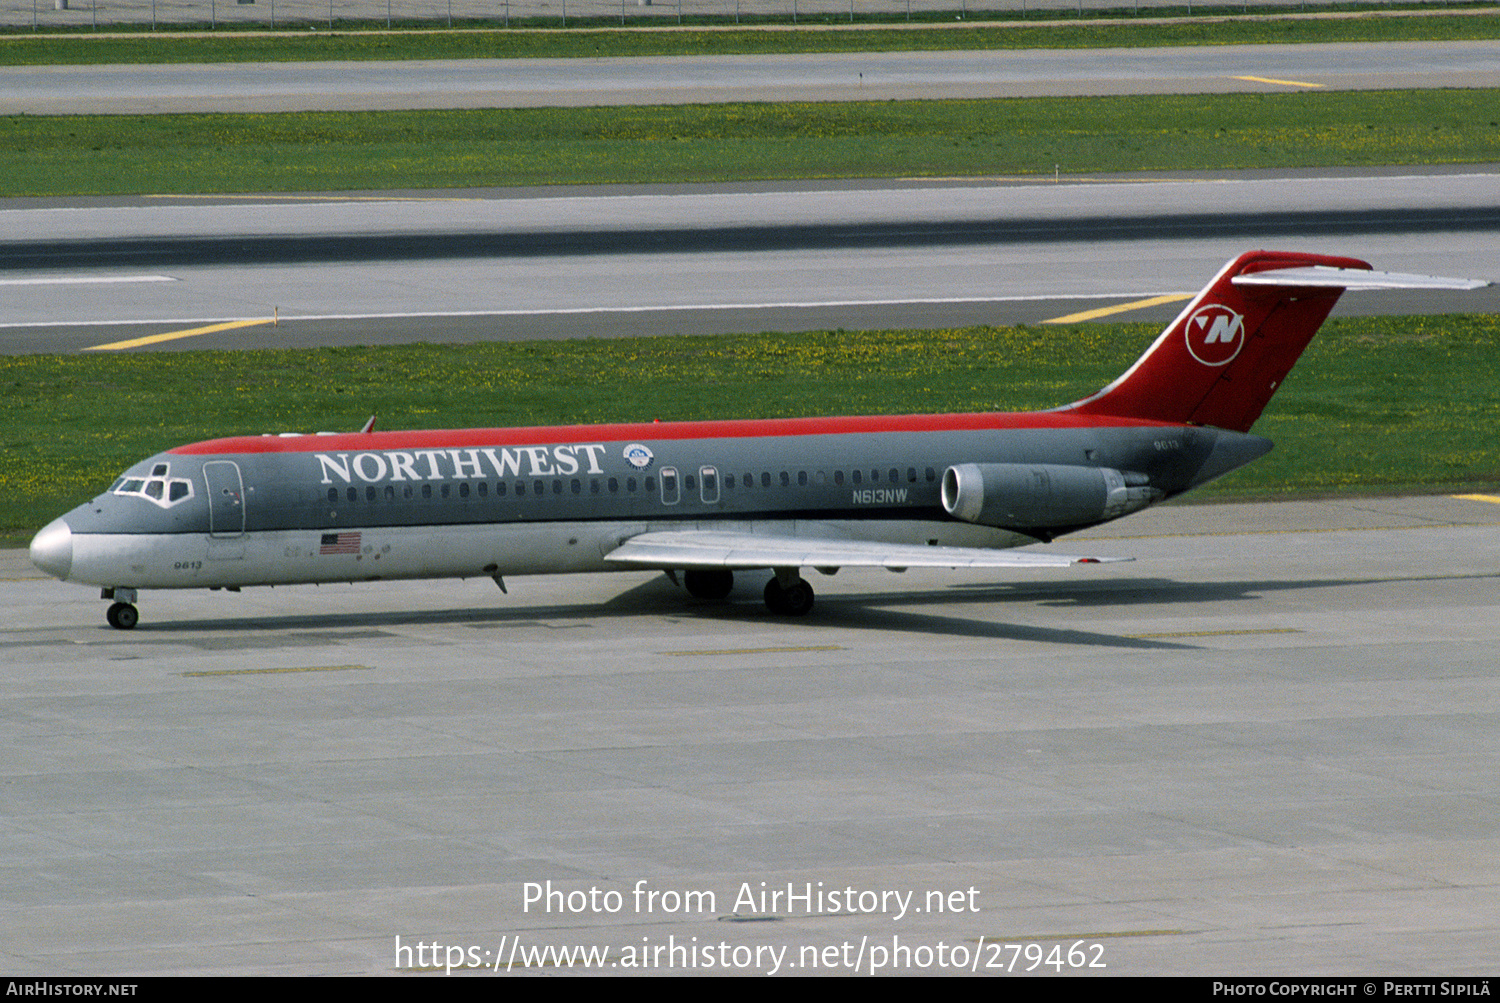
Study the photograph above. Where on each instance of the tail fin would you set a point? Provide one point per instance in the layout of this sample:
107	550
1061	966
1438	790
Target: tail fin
1224	356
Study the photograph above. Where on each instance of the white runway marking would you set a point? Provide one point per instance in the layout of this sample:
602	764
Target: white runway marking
86	280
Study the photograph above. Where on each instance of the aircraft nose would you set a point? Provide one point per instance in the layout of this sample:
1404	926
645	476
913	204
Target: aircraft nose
52	549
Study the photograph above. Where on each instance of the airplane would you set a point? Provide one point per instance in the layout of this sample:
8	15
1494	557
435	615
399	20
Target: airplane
711	498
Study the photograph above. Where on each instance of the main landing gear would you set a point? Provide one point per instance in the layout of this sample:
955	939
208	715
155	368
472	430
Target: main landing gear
713	584
122	615
788	594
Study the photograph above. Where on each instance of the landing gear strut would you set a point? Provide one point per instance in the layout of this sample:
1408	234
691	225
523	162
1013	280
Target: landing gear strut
121	614
713	584
788	594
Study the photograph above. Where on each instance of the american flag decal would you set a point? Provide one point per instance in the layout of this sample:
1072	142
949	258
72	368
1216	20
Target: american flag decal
339	543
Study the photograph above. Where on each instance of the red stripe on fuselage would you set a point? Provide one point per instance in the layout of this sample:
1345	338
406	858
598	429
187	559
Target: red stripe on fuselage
659	431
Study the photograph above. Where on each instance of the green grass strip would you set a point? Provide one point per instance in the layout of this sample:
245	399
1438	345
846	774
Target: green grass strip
1376	404
299	44
322	151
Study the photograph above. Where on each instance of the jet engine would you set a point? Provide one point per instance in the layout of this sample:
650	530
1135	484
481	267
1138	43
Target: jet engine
1041	495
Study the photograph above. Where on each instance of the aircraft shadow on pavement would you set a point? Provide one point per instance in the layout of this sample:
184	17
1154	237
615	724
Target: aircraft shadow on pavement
849	611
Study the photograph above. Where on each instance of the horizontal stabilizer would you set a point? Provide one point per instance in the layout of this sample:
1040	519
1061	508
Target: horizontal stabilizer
1324	277
710	549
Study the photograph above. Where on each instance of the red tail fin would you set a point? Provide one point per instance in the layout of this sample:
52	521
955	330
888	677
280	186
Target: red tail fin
1224	356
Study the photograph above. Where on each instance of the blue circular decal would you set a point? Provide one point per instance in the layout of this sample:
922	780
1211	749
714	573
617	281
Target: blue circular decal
639	456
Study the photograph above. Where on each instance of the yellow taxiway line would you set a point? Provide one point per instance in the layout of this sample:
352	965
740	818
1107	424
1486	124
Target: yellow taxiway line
153	339
1105	311
1283	83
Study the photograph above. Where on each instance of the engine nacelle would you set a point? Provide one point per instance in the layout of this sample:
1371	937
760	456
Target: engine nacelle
1022	495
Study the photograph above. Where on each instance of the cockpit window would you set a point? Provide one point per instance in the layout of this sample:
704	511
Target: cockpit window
159	489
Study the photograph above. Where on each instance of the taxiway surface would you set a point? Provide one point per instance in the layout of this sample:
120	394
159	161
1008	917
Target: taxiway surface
1267	745
862	76
513	263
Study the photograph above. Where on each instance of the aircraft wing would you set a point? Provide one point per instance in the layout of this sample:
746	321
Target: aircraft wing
715	549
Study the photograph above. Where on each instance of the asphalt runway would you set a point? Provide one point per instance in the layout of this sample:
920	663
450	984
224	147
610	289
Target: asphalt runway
378	268
870	76
1266	746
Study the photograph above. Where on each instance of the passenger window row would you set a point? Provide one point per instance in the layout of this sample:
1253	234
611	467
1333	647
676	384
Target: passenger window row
464	489
557	487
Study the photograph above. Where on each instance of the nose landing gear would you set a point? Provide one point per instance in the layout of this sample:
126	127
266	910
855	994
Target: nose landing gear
122	614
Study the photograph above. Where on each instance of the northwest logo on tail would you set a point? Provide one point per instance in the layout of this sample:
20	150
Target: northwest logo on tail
1215	334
